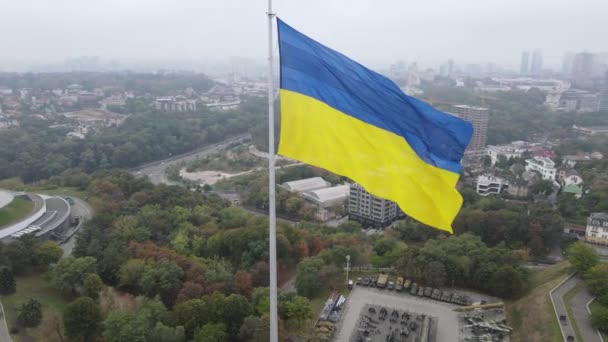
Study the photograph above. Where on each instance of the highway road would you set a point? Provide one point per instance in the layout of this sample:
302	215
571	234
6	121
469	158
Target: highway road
82	209
156	171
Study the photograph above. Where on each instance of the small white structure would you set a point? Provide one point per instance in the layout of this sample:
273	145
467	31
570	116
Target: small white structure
543	165
328	197
308	184
490	185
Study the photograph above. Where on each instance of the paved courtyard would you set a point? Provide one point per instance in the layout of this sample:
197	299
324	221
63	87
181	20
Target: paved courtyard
447	320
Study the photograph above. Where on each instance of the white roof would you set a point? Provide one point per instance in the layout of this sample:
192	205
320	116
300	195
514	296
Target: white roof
336	193
308	184
5	198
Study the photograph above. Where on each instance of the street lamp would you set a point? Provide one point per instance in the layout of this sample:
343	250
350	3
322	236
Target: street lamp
347	265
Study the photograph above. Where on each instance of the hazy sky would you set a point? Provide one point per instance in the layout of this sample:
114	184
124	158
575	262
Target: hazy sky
429	31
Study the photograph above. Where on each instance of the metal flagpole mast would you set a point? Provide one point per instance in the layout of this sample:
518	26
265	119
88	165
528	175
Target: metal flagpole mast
272	241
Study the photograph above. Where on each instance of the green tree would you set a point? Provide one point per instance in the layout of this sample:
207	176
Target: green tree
163	333
435	274
162	277
599	319
597	279
236	308
69	273
299	310
92	285
487	161
121	326
542	187
82	319
47	253
30	313
507	282
7	281
582	256
255	329
307	277
211	332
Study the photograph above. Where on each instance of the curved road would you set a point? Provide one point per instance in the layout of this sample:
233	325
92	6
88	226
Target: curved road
82	209
579	310
156	170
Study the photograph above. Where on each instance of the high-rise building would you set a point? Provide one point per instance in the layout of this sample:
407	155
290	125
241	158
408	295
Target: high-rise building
567	63
369	209
536	67
525	63
582	71
604	95
479	117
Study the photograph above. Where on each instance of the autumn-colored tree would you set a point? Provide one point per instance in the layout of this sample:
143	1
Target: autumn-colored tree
301	248
317	245
243	283
190	290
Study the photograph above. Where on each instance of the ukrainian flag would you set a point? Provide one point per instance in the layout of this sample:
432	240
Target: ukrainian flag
338	115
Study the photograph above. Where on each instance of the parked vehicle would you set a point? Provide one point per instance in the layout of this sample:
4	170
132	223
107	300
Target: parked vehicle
382	280
399	285
414	289
391	285
407	284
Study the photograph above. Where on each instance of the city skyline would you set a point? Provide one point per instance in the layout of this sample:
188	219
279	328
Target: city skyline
468	33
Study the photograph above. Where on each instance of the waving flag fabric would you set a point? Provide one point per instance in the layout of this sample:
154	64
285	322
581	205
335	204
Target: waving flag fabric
338	115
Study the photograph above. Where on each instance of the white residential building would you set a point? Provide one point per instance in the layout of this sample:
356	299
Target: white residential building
542	165
513	150
175	104
490	185
597	228
369	209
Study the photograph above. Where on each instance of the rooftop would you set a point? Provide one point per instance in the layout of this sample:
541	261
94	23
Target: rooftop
308	184
599	216
328	194
542	161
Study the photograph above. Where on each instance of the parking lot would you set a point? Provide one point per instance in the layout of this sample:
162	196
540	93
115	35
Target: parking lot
447	321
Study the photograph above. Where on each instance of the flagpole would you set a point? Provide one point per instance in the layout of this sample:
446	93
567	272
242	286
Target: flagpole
272	241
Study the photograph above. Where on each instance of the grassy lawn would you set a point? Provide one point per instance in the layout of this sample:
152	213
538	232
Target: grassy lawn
532	316
567	299
16	210
595	305
53	302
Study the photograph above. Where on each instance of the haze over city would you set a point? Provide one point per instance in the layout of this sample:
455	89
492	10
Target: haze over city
377	171
375	32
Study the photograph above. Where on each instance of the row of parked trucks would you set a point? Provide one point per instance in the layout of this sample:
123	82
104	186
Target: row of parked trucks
402	284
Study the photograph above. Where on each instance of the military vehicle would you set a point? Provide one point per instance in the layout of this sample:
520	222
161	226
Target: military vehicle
414	289
446	296
399	285
382	280
436	294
